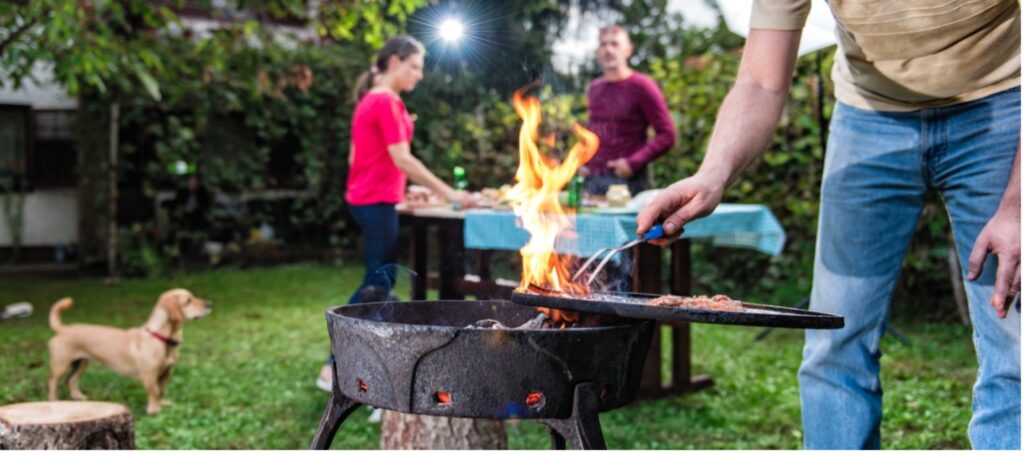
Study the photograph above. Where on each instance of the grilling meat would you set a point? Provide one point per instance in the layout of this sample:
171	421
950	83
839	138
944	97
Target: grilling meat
715	303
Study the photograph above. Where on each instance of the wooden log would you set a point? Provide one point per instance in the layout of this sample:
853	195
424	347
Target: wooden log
410	431
66	425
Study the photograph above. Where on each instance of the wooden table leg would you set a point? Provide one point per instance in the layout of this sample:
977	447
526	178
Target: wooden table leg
453	258
647	279
483	264
483	270
419	259
682	378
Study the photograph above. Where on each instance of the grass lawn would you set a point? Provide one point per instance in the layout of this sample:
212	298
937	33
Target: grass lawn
245	378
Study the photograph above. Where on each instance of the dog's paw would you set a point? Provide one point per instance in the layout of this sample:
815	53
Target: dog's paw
79	396
153	409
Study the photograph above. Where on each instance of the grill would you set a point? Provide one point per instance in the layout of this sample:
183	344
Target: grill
430	358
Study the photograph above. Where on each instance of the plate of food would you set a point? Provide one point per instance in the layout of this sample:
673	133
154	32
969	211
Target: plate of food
615	210
632	207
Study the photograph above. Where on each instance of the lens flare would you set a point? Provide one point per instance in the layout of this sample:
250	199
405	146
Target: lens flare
451	30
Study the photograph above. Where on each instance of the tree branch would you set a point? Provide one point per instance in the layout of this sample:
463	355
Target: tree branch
16	34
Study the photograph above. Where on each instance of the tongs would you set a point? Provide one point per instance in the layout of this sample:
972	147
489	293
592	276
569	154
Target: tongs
656	232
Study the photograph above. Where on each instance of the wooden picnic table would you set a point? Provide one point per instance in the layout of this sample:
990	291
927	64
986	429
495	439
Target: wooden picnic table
454	283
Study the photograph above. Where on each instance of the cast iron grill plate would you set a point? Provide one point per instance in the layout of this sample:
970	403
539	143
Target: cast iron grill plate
633	305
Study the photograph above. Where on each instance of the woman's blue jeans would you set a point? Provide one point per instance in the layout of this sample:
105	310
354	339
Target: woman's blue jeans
878	168
379	226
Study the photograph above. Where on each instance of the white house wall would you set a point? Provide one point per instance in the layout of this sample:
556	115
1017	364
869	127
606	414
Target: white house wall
51	217
44	95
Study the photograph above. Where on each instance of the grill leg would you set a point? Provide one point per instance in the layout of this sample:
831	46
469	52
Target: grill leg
583	428
337	410
557	440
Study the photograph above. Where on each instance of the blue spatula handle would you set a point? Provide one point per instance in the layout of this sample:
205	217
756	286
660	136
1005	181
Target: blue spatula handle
656	232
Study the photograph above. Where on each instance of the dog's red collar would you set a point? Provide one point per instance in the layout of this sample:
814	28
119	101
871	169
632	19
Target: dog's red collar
170	342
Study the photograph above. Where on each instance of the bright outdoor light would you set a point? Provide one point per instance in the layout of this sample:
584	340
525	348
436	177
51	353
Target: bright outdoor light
451	30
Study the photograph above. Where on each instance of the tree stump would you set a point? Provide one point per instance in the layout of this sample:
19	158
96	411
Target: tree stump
66	425
410	431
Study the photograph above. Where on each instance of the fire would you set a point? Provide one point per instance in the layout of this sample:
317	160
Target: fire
443	397
539	179
534	398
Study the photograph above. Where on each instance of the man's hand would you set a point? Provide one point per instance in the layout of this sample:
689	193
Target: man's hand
622	168
1001	236
680	203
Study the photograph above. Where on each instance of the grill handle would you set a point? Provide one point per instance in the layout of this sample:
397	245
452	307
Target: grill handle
656	232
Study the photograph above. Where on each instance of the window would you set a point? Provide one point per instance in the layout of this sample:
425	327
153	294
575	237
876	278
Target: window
53	158
14	143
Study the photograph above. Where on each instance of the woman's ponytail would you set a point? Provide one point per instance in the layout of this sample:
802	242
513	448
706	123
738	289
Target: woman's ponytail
400	46
364	84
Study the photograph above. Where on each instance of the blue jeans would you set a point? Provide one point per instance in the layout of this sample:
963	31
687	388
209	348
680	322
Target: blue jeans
878	168
598	185
379	225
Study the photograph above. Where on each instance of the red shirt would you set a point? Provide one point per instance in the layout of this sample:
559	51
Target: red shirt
380	120
620	113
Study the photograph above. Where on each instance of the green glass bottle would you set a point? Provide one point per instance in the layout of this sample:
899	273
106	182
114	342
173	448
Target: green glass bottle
460	183
460	178
575	190
580	191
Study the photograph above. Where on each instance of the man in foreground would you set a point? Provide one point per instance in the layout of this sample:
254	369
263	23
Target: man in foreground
929	99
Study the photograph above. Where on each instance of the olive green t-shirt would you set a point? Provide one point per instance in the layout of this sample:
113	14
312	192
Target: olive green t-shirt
903	55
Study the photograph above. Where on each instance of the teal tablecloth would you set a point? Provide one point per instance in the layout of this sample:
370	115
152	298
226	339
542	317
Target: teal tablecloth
734	225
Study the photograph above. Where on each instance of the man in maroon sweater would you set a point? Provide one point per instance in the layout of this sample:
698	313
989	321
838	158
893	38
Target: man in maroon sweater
623	104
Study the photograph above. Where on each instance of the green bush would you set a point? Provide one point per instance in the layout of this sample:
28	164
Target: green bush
138	252
234	119
260	119
786	179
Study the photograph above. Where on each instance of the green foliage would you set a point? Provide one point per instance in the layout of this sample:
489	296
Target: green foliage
245	377
240	122
359	20
139	252
115	45
228	100
230	108
483	137
104	45
485	140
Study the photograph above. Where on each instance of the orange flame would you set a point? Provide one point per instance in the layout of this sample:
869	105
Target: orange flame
534	198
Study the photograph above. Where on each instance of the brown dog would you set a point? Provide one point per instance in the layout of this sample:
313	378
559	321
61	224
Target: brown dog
146	353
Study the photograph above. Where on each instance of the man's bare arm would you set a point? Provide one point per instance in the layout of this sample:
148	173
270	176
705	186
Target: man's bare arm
401	154
744	128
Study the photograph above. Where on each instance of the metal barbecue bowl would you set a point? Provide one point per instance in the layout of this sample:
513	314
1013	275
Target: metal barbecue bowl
425	357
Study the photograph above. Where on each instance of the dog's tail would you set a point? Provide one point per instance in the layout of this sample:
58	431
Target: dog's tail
60	306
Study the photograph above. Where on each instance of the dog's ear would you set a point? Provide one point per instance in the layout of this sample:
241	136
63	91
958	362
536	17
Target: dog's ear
173	306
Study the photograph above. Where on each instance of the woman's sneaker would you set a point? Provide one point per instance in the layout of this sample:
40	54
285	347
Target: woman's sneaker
325	380
376	415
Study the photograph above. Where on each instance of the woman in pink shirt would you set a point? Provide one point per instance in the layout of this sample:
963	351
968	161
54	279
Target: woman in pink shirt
380	162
